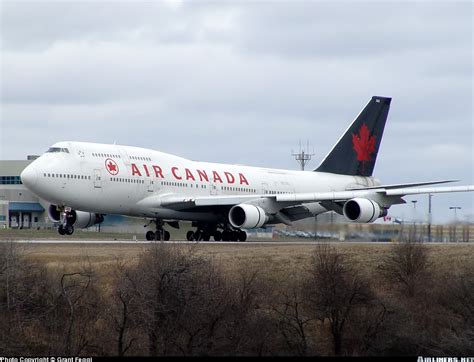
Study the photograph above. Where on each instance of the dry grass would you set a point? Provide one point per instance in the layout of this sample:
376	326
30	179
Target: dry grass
278	263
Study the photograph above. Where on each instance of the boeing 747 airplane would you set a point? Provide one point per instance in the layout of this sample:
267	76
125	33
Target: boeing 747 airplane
83	182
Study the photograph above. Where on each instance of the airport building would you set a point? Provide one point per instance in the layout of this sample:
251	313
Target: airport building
19	208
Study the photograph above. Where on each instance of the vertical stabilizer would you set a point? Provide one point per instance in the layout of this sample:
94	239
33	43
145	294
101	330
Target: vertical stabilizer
356	151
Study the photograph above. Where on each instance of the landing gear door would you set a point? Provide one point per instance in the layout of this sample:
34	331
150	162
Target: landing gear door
97	179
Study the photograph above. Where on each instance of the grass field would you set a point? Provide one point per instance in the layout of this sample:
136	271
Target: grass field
275	262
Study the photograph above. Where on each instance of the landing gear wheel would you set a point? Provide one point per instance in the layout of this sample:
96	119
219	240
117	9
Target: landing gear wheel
226	236
69	229
242	235
150	235
234	236
166	235
190	235
197	235
217	236
206	237
61	230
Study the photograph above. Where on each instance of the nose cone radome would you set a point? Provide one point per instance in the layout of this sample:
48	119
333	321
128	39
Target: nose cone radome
29	176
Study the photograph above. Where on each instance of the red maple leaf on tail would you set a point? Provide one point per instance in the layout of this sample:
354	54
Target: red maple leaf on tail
363	144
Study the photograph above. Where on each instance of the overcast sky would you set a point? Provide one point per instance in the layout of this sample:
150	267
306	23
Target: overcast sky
243	82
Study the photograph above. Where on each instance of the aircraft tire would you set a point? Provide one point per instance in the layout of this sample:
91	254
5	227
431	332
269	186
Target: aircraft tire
234	236
197	235
217	235
150	235
206	237
167	235
61	230
226	236
69	229
190	235
242	236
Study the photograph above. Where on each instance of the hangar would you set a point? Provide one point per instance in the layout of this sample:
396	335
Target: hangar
19	208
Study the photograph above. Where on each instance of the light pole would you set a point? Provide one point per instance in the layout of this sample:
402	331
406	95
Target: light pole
429	217
455	208
414	219
414	206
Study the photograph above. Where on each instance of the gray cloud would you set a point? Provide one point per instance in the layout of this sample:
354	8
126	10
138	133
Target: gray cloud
242	82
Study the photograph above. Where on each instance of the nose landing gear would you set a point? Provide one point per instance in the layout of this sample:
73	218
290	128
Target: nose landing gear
65	229
66	226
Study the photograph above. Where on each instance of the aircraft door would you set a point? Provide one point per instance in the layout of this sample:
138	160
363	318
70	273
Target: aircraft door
265	189
212	187
97	179
149	184
125	157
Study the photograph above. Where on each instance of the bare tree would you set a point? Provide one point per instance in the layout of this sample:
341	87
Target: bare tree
456	296
293	321
120	313
21	303
407	265
335	291
171	287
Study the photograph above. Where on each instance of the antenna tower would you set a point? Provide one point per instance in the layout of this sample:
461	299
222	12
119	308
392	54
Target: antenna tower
303	156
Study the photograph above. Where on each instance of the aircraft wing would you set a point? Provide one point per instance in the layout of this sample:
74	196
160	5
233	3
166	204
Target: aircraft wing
347	195
413	184
391	193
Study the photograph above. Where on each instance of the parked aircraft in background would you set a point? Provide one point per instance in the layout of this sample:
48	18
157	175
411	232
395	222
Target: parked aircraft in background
83	182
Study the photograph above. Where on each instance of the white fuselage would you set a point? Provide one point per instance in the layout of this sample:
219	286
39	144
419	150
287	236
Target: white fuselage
113	179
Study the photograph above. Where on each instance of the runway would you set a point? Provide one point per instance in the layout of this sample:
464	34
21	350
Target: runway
258	242
135	242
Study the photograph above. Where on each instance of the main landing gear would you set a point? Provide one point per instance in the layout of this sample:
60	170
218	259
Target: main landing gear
159	234
205	232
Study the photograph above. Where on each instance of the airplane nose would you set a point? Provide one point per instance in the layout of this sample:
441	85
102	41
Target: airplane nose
29	176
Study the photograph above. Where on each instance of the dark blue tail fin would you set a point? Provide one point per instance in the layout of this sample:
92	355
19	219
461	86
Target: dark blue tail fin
355	153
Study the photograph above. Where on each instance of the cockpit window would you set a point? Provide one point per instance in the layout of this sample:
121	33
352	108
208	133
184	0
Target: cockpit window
58	149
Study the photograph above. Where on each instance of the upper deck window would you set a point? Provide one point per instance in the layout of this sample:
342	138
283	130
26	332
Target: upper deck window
57	149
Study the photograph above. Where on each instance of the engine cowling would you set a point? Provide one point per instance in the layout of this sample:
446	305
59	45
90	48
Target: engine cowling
82	219
53	213
247	216
363	210
79	219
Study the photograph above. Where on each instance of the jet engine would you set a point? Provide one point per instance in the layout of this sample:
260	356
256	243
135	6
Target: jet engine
363	210
54	214
247	216
80	219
